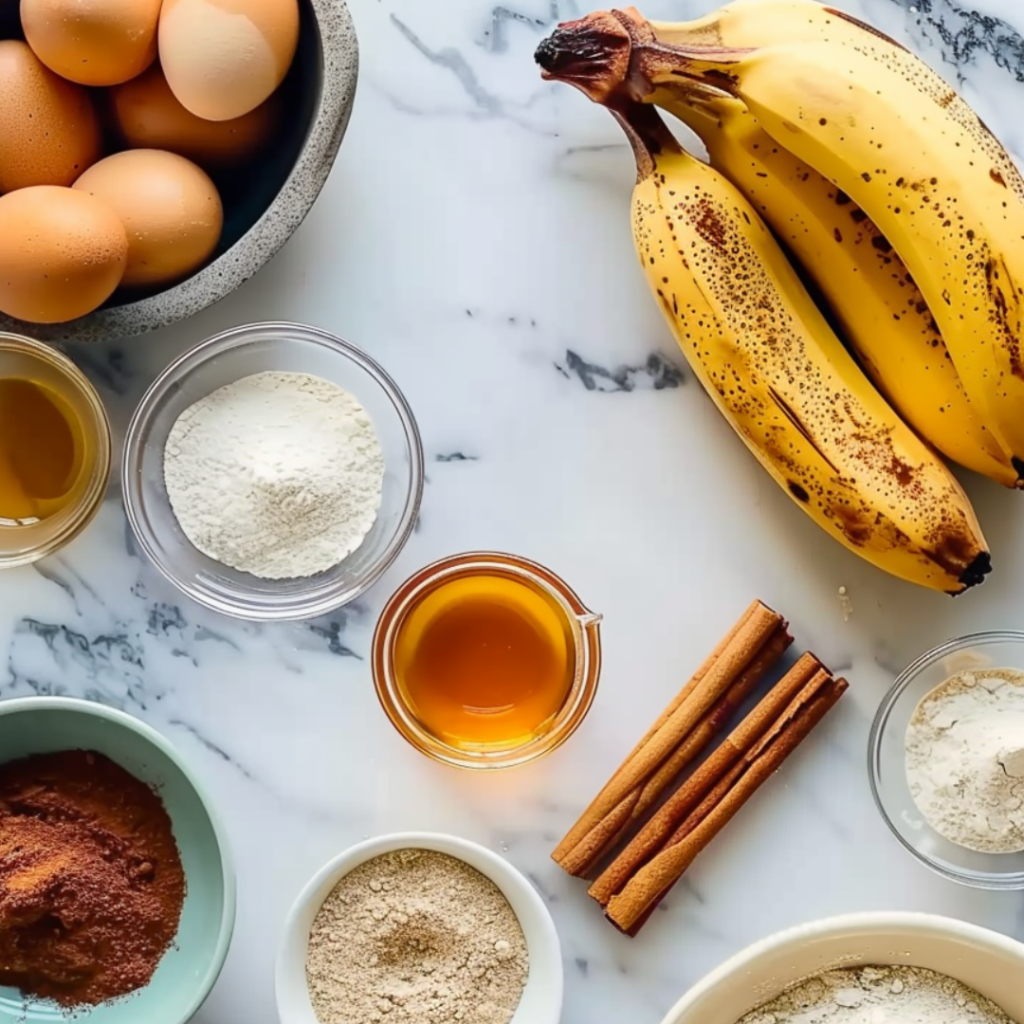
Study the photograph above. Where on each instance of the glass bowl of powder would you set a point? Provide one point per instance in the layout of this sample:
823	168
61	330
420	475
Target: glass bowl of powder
273	472
946	759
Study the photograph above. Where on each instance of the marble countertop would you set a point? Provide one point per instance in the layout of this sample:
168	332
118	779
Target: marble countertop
474	237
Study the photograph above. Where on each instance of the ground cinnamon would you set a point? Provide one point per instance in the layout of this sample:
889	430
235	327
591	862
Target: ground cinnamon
91	881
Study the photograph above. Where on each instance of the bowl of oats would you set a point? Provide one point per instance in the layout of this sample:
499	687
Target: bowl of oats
419	927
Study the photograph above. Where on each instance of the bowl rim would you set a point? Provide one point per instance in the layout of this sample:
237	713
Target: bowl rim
191	360
15	705
545	949
992	881
837	926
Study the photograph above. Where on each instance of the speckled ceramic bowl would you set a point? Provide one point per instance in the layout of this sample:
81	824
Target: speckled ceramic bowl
264	202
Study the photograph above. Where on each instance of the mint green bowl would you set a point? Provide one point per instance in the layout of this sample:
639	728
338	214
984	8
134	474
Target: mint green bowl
189	969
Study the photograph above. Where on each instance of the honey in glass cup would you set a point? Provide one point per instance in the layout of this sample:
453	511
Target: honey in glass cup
486	660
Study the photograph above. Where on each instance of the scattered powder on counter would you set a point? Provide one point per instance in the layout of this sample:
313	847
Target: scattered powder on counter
878	995
416	936
965	760
279	474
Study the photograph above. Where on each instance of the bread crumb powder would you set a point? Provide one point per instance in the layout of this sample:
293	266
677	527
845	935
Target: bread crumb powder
416	935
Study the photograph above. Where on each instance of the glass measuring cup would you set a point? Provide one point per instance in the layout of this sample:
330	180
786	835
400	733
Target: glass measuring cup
582	645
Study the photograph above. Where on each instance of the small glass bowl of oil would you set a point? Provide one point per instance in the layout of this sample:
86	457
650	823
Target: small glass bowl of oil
486	660
54	451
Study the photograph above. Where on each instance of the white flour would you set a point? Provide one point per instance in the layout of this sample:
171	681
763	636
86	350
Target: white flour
279	474
878	995
965	759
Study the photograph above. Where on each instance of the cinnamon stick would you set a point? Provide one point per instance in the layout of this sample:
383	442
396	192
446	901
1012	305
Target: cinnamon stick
818	682
579	830
650	839
713	723
610	829
709	684
630	908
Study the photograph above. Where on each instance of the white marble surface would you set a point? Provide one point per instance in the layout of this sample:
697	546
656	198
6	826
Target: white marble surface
474	237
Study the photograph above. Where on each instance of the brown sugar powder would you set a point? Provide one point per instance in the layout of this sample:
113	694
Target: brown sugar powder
419	936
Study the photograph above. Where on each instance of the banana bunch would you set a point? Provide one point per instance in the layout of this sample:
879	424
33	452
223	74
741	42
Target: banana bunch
899	207
863	282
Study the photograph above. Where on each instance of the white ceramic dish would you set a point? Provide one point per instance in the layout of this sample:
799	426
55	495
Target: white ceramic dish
990	963
542	997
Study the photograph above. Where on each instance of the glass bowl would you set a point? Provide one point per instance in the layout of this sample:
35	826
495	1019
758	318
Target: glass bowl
582	625
886	764
221	360
24	542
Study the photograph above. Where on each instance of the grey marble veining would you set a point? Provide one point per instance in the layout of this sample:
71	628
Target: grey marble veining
474	237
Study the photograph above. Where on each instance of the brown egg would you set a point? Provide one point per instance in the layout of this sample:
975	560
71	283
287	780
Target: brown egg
223	58
147	115
92	42
169	207
62	254
49	132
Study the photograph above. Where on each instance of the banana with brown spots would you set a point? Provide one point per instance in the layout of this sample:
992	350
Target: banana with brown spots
864	283
753	23
886	129
782	378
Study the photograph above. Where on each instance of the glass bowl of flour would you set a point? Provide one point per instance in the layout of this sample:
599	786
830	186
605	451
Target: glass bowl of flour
273	472
946	759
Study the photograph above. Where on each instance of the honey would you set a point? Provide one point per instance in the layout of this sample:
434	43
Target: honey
485	660
42	451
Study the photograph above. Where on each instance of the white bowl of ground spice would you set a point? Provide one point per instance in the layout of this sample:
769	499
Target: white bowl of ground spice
865	968
419	927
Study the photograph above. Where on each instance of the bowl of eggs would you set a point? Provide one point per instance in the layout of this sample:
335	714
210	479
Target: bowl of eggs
154	154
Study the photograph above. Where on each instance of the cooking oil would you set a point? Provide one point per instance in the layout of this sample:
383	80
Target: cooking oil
42	451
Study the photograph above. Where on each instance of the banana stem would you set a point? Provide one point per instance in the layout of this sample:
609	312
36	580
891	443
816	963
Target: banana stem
658	63
706	31
616	54
703	108
592	54
647	133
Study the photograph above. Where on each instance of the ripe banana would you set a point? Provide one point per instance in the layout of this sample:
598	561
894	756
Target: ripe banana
882	126
758	23
781	377
864	283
